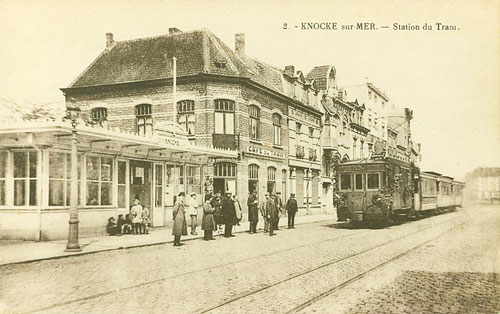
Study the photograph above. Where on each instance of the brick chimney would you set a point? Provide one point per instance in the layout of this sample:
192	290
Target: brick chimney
110	42
290	70
239	44
174	30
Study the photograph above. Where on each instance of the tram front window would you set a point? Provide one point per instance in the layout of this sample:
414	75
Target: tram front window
373	181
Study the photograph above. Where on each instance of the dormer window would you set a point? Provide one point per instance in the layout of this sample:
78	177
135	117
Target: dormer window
99	114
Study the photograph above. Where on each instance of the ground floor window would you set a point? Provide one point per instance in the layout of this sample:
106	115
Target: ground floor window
60	178
193	176
99	180
25	178
225	178
271	179
3	172
253	178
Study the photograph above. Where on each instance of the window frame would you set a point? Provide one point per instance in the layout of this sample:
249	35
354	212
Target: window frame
254	125
27	178
276	129
186	115
225	108
99	180
368	182
341	181
144	119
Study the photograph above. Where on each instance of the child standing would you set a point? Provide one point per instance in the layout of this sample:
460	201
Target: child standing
145	221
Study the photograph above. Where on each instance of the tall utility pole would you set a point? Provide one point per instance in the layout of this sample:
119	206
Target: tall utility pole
174	59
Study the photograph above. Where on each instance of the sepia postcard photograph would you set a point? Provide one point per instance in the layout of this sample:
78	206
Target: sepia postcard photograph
322	156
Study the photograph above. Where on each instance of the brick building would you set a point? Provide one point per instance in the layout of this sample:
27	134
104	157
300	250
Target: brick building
223	99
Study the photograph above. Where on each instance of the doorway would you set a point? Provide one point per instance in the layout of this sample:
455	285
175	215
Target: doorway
140	183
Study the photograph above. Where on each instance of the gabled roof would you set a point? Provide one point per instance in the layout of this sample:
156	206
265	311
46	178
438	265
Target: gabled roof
150	58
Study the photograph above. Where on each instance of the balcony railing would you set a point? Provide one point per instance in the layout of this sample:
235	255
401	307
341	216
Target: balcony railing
300	153
226	141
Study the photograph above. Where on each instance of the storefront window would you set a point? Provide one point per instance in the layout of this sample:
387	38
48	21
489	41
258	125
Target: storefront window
25	164
158	185
122	184
99	180
3	170
193	176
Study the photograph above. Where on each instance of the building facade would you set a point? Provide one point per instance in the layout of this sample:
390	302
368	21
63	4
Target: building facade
483	185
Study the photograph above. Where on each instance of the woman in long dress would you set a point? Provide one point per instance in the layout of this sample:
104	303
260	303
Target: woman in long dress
208	222
180	227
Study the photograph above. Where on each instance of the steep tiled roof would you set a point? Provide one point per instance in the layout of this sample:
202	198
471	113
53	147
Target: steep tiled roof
319	75
150	58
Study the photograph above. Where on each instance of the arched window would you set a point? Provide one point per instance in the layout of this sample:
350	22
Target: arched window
254	126
224	116
276	129
185	116
271	179
144	120
253	178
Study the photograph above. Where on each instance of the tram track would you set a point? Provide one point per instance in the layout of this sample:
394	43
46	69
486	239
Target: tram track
105	293
223	265
330	263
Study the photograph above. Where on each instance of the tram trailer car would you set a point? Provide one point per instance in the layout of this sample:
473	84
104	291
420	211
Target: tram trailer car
380	190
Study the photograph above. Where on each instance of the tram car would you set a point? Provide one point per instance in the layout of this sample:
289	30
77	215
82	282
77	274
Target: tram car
381	190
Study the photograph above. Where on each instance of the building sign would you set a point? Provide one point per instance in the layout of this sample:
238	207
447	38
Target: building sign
264	152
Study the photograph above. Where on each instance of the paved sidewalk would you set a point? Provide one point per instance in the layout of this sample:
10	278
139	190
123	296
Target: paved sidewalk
23	252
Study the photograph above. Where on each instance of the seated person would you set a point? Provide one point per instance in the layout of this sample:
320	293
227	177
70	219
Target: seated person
112	227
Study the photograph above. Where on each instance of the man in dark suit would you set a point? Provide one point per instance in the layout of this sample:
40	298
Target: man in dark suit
229	215
270	213
291	208
253	212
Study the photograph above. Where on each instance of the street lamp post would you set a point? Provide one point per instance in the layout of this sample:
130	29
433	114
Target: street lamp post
72	113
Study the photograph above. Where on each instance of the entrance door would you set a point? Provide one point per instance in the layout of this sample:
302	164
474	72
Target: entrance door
141	182
158	213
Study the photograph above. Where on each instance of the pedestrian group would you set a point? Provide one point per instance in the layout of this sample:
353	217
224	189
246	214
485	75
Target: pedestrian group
218	211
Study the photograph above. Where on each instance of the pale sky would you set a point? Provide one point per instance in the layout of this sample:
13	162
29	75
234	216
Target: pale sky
450	79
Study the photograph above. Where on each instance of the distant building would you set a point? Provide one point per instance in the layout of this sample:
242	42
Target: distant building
483	185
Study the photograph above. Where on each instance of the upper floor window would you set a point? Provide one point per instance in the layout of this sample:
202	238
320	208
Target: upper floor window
144	120
99	114
224	116
254	122
276	129
311	132
298	127
185	116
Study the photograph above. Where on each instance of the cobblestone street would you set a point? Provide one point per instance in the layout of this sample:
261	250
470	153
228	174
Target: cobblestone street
443	264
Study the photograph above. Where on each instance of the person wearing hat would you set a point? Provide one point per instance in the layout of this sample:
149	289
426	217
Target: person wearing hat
263	212
193	212
229	214
270	213
253	211
180	227
291	208
279	209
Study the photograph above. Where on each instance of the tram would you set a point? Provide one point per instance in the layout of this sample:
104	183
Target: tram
378	191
